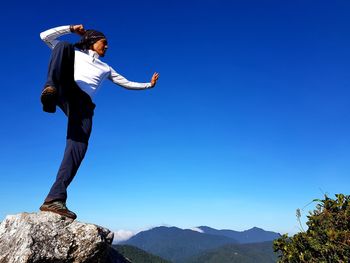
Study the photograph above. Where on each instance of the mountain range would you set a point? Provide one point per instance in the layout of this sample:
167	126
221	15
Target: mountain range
186	245
253	235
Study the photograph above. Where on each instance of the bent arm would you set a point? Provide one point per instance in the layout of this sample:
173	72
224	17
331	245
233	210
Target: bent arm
121	81
50	36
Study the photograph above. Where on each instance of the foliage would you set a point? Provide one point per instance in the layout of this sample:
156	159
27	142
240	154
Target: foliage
327	238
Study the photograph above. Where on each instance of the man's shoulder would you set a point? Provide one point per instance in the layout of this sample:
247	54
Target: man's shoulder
84	58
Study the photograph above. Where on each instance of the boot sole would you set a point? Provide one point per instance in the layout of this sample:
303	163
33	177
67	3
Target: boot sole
48	99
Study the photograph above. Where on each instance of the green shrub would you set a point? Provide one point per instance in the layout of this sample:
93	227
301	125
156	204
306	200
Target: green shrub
327	238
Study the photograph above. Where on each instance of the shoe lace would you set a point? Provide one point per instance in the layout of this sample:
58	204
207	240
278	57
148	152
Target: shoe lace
60	204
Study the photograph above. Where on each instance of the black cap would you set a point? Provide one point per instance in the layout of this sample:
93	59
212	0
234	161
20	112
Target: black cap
89	38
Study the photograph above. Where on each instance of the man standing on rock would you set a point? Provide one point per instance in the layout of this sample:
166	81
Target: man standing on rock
75	74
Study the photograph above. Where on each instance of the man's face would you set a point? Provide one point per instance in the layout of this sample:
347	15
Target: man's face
100	47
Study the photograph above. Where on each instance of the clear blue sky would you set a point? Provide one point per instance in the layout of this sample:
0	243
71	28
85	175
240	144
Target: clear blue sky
249	120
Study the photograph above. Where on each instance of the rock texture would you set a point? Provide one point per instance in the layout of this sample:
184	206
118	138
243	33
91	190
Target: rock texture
50	238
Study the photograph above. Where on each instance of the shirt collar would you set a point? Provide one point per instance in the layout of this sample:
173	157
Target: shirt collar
92	53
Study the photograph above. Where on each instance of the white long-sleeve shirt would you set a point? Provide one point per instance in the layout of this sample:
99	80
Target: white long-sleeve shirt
89	70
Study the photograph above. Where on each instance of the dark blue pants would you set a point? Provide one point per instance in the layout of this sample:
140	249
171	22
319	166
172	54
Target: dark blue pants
78	108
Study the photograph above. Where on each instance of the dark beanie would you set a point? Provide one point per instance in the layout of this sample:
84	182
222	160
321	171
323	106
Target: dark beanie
89	38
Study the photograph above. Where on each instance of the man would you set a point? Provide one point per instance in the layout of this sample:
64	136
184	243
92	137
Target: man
75	74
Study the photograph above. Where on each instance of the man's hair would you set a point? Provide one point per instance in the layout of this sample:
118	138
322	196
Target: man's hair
89	38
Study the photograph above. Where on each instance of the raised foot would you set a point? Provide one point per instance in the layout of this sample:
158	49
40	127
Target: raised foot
49	99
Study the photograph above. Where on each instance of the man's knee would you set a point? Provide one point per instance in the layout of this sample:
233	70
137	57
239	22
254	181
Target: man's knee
79	130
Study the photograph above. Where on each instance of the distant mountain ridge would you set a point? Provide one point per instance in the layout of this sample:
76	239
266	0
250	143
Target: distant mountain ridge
238	253
253	235
178	245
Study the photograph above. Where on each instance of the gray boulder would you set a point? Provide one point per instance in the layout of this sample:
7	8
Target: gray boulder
46	237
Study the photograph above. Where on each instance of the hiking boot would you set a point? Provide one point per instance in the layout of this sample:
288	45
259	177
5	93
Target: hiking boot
49	99
58	207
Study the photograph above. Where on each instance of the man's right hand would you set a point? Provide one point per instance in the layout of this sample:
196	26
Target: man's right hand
78	29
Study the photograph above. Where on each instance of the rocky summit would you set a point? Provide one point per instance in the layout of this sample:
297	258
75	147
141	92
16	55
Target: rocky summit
46	237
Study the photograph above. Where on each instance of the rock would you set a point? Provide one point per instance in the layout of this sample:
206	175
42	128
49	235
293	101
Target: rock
46	237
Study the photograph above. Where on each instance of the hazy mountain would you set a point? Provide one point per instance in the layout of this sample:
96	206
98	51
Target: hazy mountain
238	253
253	235
137	255
176	244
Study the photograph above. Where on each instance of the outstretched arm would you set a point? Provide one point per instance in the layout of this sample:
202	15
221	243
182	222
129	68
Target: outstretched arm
121	81
50	36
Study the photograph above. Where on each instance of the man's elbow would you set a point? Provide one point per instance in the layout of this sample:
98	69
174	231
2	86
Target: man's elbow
43	36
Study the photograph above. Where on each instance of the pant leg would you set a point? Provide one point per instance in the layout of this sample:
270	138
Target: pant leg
78	107
61	72
73	156
78	133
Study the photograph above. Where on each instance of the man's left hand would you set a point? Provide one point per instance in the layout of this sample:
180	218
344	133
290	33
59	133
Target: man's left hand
154	79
